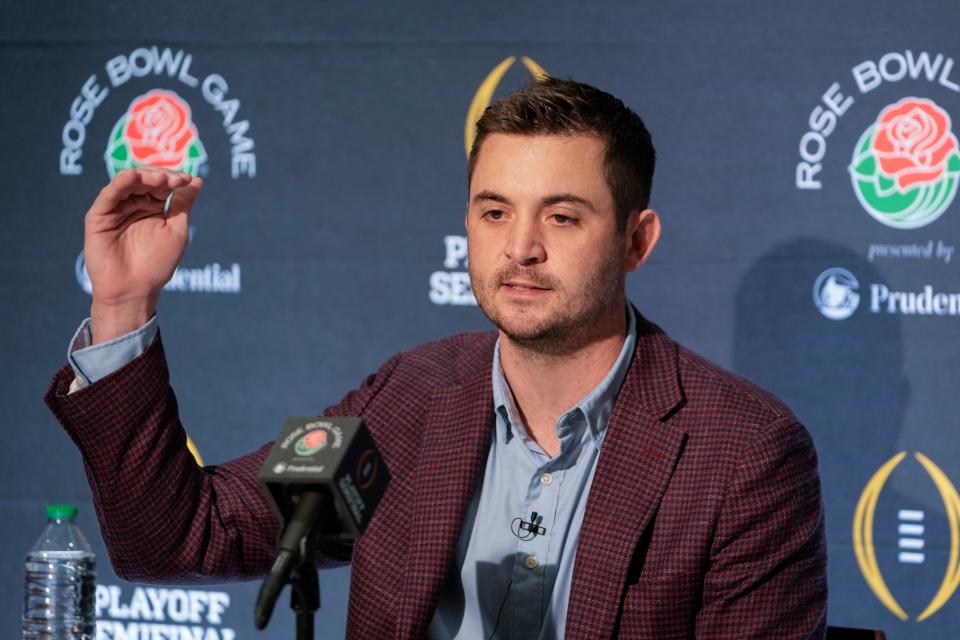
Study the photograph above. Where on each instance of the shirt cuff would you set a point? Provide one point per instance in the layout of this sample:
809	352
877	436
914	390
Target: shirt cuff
91	363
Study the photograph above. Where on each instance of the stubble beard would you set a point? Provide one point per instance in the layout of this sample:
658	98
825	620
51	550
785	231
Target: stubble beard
577	323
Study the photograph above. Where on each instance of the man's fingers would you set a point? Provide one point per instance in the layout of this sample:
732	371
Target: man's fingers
178	212
115	190
160	184
147	202
155	181
184	197
160	193
155	177
131	217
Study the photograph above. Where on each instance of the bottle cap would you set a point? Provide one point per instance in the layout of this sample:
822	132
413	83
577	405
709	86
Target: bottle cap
61	511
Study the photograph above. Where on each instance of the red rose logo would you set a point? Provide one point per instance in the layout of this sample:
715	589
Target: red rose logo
913	142
155	130
905	168
159	129
315	439
311	443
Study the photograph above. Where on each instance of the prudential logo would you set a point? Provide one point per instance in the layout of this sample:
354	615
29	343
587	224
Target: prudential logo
835	293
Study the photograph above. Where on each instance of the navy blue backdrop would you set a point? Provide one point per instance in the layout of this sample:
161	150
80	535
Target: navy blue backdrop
807	168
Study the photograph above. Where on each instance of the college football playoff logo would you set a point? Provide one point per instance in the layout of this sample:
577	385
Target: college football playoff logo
906	165
864	539
484	94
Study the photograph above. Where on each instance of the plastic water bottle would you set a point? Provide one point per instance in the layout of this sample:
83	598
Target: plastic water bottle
58	601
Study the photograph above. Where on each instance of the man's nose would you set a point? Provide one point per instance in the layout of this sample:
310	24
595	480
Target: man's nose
525	244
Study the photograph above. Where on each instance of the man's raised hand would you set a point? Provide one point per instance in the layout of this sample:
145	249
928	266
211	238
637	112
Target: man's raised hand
131	247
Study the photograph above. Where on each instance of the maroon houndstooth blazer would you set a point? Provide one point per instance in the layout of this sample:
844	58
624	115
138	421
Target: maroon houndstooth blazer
704	519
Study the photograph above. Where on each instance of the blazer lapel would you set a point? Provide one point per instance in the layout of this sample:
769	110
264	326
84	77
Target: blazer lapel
456	441
638	456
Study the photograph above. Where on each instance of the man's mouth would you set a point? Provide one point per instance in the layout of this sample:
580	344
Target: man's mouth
522	285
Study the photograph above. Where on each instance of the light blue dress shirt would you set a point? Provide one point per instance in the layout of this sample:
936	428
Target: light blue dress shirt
505	583
91	363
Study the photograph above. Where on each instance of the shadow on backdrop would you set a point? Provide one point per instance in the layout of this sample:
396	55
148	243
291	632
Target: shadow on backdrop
844	379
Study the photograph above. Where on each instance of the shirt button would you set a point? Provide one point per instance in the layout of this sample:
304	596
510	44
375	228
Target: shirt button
531	562
546	478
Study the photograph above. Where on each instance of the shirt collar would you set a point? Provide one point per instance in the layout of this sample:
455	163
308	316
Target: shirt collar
596	406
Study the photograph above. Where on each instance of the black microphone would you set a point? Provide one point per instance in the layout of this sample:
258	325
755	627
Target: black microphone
532	528
325	478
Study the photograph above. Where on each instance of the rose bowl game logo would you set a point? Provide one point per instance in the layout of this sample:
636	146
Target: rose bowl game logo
312	442
156	130
906	166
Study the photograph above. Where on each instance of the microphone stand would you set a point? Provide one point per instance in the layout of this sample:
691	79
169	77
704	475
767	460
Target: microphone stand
321	494
294	565
305	598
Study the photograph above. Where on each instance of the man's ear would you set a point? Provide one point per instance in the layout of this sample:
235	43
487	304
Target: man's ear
642	233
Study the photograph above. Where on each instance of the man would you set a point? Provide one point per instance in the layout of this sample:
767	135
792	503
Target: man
669	498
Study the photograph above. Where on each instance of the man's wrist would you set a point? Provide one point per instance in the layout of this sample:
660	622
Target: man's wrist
108	321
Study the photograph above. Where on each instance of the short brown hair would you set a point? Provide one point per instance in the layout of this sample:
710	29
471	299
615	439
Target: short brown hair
553	106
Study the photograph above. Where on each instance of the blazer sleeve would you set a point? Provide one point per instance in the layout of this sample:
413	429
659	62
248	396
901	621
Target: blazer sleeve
767	573
163	517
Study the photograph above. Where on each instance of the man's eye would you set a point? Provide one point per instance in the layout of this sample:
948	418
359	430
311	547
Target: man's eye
493	214
559	218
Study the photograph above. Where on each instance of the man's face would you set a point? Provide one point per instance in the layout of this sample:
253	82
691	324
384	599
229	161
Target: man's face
546	256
